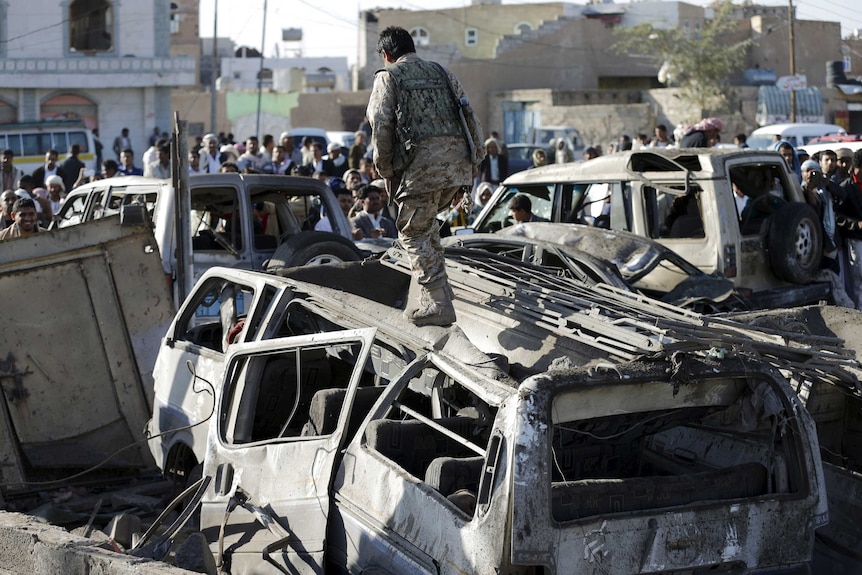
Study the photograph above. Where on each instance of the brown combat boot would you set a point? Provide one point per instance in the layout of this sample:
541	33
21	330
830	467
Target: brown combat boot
431	306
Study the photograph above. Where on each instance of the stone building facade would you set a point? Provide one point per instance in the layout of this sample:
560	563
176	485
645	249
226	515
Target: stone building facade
106	63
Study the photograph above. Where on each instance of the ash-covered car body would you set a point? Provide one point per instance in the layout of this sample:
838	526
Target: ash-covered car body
615	258
686	200
247	221
366	444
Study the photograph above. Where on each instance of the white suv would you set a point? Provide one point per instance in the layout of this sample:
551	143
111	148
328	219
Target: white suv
685	200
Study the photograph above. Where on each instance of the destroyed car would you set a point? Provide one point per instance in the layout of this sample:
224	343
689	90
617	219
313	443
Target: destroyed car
686	200
345	439
236	220
612	257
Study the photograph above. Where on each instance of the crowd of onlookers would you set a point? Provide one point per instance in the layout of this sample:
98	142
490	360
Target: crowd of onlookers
831	180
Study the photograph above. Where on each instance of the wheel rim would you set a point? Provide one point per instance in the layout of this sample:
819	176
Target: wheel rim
805	243
323	259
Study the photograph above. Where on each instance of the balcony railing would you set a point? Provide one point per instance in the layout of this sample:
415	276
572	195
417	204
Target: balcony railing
97	65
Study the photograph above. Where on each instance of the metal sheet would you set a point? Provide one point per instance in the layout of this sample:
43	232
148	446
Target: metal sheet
85	308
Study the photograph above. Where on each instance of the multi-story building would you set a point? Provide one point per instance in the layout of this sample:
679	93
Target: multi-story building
105	63
530	63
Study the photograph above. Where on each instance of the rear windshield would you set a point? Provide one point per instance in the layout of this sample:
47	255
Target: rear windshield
634	454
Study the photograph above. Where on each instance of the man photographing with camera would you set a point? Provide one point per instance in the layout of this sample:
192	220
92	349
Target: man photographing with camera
814	187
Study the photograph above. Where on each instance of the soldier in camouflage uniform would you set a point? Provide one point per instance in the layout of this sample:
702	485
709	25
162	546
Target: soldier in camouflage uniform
424	137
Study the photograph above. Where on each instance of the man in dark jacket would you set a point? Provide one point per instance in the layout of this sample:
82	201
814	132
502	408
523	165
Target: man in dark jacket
848	220
72	167
495	166
704	134
51	168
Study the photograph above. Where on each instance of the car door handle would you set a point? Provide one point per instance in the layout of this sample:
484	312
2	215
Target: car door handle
223	478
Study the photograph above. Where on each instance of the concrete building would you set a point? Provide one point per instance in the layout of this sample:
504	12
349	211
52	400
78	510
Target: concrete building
285	74
106	63
526	65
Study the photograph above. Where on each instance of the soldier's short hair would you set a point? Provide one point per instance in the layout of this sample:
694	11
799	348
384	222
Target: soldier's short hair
396	42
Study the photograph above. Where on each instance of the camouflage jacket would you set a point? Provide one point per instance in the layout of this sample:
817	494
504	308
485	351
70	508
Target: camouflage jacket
439	161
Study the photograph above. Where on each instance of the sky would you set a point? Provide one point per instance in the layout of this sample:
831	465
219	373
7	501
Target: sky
330	28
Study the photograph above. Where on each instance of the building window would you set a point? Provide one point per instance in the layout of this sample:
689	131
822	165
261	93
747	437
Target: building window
91	25
471	37
175	18
523	27
420	36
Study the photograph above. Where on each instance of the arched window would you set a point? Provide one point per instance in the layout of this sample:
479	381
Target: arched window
91	25
265	77
523	27
420	36
70	106
175	18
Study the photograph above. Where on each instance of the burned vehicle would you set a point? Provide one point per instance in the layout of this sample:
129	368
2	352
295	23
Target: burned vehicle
740	213
344	439
236	220
612	257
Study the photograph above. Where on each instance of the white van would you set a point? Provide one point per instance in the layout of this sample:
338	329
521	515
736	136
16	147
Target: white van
796	134
30	141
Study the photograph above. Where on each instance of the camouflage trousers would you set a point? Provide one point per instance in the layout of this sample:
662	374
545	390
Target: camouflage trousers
419	232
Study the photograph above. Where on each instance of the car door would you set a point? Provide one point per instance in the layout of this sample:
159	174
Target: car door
271	454
222	310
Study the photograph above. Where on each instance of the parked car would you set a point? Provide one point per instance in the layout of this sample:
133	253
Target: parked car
344	439
343	139
549	135
796	134
812	147
685	200
319	135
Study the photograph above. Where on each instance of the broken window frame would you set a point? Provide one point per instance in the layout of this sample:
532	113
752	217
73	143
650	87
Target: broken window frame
99	19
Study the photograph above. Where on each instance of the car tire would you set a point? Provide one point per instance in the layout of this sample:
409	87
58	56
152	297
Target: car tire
795	243
312	248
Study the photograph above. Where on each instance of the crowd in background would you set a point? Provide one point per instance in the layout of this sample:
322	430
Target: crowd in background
831	180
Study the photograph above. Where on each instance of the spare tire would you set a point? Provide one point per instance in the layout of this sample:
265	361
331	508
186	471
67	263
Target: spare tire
795	243
312	248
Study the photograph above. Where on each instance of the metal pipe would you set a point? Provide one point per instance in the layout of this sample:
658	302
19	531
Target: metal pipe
260	71
213	77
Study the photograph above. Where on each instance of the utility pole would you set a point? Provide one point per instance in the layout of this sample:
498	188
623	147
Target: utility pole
260	71
792	61
213	98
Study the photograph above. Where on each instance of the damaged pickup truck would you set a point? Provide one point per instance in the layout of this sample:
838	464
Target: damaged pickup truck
343	439
740	213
